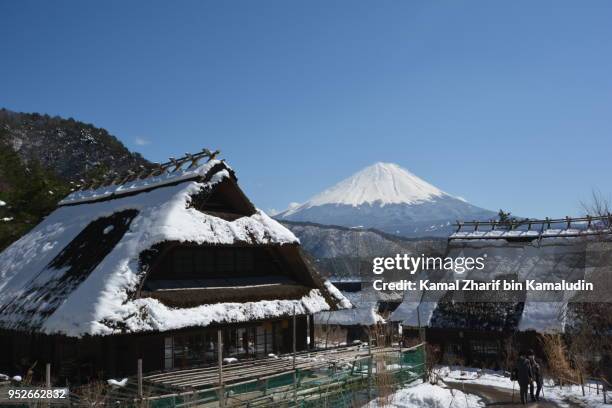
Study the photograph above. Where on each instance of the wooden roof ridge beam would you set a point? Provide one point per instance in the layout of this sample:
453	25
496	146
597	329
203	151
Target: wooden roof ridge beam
144	172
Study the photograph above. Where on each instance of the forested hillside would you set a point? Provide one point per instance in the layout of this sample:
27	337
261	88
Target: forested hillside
42	158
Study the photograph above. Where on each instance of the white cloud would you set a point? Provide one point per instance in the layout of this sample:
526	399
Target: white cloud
272	212
293	205
141	141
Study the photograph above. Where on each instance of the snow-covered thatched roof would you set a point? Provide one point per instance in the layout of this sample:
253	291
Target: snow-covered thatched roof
365	312
79	271
362	315
547	259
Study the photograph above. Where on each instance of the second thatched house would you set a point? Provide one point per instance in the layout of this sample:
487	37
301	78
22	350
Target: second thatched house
484	328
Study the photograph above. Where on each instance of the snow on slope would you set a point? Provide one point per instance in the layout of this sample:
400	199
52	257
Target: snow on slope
383	183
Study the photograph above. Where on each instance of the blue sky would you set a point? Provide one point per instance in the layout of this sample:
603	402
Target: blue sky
508	104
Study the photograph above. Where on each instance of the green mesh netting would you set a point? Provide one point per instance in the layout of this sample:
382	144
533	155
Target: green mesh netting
333	385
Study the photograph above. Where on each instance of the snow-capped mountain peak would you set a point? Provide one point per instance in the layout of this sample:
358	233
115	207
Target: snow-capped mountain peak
386	197
380	183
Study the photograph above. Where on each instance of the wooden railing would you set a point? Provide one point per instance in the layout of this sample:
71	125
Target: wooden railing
605	385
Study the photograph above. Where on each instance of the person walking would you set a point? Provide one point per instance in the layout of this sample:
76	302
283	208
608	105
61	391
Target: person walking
536	371
524	375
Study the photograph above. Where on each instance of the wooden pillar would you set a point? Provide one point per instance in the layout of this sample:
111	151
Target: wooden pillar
140	392
48	380
308	336
48	375
220	361
370	362
110	353
274	345
294	351
294	335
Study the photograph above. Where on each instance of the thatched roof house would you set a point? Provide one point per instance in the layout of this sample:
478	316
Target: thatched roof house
179	248
538	251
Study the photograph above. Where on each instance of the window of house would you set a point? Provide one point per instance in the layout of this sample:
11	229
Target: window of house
485	348
200	348
452	351
192	262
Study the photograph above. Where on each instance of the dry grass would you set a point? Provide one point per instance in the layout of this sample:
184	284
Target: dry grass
92	394
433	356
510	354
329	335
557	356
384	381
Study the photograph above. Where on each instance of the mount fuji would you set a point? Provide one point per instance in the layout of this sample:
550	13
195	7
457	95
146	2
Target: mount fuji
389	198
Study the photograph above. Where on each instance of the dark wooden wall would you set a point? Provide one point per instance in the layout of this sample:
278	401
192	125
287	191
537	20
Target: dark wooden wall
81	360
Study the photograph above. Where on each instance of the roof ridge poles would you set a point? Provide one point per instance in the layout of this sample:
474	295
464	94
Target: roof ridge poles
143	172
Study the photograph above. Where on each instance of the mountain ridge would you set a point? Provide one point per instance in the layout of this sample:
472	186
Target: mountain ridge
342	252
73	150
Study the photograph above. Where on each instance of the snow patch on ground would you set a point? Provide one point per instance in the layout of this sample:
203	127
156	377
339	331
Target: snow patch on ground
574	393
117	383
499	379
475	376
426	395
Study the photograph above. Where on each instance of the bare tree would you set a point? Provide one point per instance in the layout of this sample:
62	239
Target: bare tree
591	319
598	206
588	336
